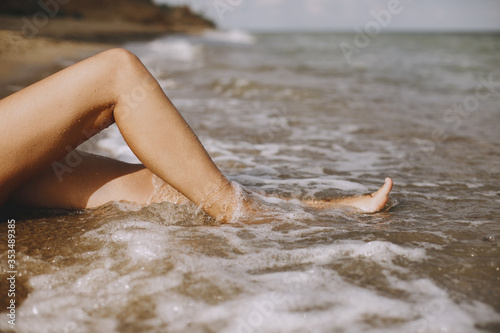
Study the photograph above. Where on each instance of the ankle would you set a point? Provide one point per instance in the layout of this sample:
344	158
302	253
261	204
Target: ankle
223	202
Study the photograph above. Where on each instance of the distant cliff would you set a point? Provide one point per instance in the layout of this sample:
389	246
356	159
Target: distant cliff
98	19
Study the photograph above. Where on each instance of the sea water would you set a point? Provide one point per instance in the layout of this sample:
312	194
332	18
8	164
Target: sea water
292	115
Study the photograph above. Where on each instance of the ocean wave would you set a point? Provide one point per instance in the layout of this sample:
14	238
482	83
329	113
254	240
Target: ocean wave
229	37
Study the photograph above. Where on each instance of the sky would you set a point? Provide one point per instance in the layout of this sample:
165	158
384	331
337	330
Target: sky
393	15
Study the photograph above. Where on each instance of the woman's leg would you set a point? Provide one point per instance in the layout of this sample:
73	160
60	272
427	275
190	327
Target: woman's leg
96	181
42	123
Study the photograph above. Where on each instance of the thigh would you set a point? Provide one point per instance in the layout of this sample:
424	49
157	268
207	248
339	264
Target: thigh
87	181
41	123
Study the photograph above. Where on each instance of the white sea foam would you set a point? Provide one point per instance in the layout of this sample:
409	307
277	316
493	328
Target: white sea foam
229	36
178	49
256	286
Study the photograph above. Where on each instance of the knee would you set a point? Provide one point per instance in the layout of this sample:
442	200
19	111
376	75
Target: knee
124	64
124	61
128	70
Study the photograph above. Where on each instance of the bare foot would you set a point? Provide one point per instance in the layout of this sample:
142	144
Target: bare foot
242	205
368	203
